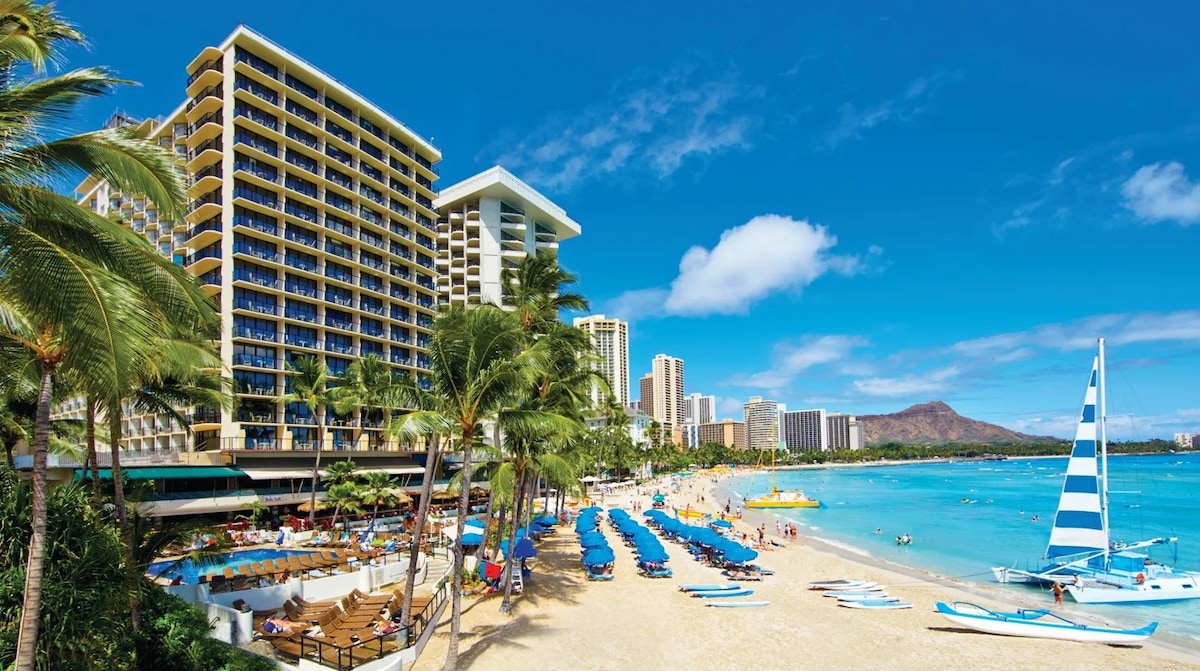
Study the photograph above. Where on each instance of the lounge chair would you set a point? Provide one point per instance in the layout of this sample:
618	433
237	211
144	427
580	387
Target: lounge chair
593	575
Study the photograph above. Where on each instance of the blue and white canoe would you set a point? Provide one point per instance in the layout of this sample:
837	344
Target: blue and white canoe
876	604
738	604
709	588
723	594
1039	623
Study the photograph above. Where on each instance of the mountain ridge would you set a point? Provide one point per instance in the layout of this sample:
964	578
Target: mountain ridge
935	422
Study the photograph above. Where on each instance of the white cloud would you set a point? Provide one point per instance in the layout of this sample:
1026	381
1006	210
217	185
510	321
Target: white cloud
852	121
1059	426
792	359
769	253
933	382
1163	192
1081	334
654	126
730	407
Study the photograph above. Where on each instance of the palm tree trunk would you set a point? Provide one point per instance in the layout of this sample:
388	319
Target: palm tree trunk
31	607
114	440
312	498
487	519
500	521
93	460
456	598
414	550
518	504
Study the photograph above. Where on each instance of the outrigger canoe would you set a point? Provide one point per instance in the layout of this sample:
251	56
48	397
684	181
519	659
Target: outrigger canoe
1040	623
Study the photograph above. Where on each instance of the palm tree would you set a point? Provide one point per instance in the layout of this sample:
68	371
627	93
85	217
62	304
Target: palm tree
537	290
345	496
477	367
338	473
377	491
310	386
368	386
112	290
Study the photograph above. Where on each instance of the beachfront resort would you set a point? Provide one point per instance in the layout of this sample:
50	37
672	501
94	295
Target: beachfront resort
278	396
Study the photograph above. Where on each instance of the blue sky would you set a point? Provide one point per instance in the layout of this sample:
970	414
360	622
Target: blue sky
855	208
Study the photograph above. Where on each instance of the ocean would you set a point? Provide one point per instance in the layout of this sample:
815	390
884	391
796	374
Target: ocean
966	517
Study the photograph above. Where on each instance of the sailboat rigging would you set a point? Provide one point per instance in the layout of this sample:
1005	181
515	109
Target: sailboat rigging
1080	552
780	498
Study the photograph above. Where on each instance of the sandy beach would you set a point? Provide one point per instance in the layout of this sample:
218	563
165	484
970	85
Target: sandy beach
563	621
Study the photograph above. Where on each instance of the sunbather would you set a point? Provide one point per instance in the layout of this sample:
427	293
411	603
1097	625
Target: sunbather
279	625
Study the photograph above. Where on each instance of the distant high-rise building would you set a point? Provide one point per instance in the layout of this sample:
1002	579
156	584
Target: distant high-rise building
805	430
610	337
780	410
699	409
726	432
761	419
646	392
844	431
667	391
489	222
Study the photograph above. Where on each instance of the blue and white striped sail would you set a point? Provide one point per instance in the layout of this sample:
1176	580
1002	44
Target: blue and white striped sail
1079	524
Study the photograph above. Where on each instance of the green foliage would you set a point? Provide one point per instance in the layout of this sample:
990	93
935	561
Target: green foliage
84	590
174	635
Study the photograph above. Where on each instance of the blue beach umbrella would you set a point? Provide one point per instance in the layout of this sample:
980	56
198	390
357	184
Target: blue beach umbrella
726	524
597	556
475	523
657	555
547	520
469	538
739	554
593	540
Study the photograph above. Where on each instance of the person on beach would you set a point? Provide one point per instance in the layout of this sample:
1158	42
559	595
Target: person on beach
1058	591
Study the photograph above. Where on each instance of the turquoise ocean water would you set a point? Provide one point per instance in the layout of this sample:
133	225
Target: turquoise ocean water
1150	496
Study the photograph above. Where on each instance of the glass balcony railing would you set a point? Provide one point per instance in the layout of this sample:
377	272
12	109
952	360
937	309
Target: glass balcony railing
255	306
301	238
260	279
300	263
256	251
301	289
213	64
255	334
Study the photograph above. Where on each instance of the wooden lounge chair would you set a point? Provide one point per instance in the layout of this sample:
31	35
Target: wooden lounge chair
228	573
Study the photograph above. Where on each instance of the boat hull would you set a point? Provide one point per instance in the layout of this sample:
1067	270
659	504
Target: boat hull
1028	625
1150	591
876	605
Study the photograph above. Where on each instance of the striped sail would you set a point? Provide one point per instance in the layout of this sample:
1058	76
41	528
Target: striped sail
1079	525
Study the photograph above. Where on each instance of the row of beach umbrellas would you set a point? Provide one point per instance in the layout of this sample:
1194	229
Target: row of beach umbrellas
707	537
647	546
596	551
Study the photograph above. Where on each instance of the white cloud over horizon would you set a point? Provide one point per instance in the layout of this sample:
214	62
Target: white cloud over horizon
932	382
768	254
1163	192
791	359
654	125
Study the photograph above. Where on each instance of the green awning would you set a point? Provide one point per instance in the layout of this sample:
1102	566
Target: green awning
165	473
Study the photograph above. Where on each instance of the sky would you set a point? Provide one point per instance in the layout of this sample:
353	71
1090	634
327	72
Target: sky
855	208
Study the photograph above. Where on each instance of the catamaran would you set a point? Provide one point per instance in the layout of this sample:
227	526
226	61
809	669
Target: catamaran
779	498
1080	554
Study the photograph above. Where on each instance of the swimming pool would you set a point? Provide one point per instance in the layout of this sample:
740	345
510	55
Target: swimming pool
191	573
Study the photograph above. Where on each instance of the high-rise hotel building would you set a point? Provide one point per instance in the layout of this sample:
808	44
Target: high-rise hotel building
311	221
667	392
610	337
762	423
487	223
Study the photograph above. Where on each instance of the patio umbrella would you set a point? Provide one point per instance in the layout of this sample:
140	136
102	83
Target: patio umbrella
522	550
597	556
304	507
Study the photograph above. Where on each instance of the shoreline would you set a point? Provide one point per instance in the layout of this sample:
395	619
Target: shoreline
636	622
994	592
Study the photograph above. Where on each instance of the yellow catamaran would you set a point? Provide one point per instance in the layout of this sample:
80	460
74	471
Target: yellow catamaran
780	498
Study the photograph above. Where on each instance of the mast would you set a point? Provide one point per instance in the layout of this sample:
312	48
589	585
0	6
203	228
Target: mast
1103	393
774	432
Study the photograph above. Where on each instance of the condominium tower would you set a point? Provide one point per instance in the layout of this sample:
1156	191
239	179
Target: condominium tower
726	432
610	337
762	420
845	431
310	220
646	394
490	222
805	430
699	409
668	391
